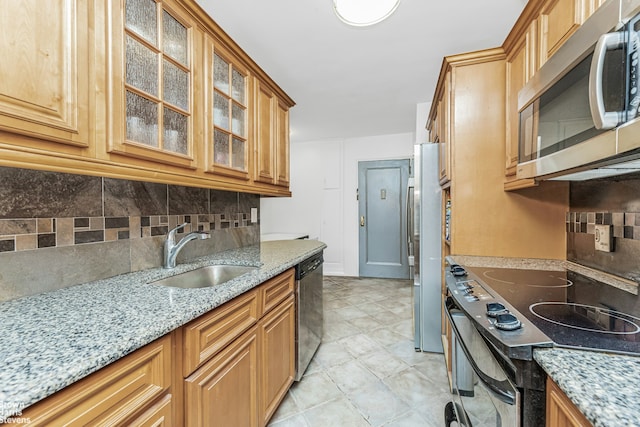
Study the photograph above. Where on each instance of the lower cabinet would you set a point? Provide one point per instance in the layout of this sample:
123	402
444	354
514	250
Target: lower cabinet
134	391
229	367
242	384
277	362
561	412
224	392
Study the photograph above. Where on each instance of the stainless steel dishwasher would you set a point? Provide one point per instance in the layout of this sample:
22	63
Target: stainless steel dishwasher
309	315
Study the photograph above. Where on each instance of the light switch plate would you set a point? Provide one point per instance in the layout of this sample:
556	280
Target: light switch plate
254	215
603	238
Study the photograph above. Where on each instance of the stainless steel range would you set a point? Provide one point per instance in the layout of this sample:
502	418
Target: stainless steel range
500	315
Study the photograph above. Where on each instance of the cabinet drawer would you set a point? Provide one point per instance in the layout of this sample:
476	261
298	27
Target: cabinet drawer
113	395
213	331
276	290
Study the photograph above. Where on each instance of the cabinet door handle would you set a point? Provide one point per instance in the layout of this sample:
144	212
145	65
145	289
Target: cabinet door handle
362	221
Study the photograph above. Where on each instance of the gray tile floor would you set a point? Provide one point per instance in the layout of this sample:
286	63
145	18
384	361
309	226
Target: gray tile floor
366	372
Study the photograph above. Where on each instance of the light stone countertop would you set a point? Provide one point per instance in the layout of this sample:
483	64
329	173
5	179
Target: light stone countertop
52	340
605	387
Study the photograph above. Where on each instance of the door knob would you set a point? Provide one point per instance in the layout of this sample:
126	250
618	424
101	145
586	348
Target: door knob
362	221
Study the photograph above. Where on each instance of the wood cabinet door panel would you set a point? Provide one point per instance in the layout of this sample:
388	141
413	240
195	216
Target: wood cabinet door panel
277	367
264	140
211	332
558	20
228	116
224	391
516	78
282	144
152	97
45	45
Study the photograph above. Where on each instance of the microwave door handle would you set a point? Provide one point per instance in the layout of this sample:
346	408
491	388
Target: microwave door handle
501	389
602	119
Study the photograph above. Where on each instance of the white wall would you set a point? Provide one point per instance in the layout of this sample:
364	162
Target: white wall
324	179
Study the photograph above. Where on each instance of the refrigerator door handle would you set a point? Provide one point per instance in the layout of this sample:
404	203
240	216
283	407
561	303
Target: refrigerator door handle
410	224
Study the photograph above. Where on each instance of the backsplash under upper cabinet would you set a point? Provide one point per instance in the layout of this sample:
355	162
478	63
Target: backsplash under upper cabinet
609	201
57	230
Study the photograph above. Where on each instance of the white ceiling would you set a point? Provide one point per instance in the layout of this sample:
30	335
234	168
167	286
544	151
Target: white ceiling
354	82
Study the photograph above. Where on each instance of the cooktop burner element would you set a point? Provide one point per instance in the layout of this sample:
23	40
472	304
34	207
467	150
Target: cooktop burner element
549	279
586	317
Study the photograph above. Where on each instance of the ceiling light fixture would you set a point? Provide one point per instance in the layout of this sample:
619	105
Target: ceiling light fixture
361	13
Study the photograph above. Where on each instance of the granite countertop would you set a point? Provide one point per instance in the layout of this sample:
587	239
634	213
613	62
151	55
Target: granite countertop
605	387
52	340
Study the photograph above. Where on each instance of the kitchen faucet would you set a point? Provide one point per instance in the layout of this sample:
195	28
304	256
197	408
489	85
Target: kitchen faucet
171	248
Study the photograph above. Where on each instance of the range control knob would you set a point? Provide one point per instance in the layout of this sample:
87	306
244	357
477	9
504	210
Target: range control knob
507	322
495	308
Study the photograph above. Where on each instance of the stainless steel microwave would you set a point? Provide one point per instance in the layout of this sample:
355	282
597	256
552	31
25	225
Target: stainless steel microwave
579	112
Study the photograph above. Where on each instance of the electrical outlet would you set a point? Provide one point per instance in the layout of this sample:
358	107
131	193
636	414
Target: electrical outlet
254	215
603	238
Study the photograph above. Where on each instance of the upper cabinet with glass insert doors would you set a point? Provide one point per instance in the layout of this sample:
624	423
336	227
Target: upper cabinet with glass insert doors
227	128
150	90
153	115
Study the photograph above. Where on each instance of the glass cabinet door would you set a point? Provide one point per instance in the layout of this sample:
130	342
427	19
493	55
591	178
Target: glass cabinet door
157	81
228	128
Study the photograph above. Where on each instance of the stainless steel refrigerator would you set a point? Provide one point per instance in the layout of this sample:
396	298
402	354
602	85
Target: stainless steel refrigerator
425	231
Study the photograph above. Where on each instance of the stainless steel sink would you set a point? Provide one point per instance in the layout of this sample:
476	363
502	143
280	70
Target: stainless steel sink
203	277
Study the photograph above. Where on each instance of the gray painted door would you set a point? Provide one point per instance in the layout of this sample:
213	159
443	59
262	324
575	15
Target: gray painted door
382	206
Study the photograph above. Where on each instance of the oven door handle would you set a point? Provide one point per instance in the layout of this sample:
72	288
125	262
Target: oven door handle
501	389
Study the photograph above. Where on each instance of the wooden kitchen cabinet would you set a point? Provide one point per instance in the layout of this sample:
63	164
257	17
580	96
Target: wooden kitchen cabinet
277	353
136	390
520	66
227	99
438	126
127	89
481	214
558	20
245	357
47	97
211	332
282	144
561	412
229	367
152	88
224	391
271	136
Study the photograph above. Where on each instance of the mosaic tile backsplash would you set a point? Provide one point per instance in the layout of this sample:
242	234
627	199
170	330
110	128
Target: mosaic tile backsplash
611	201
28	234
626	225
80	228
45	209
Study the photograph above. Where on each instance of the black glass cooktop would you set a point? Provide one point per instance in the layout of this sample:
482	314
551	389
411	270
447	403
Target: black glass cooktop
571	309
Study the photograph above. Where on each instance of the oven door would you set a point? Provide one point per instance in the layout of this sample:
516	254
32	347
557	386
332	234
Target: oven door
483	393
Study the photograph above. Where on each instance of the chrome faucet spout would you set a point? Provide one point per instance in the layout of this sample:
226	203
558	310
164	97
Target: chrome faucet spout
171	248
